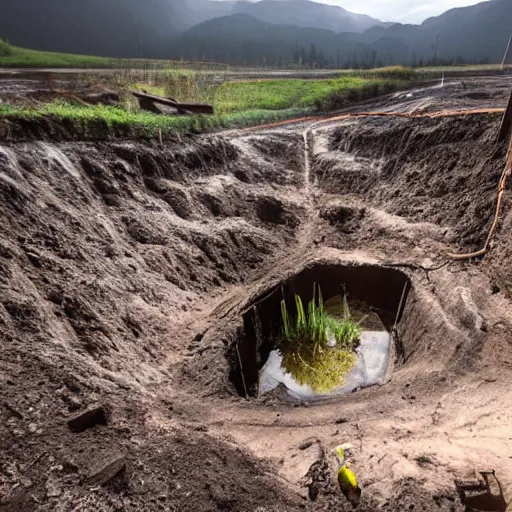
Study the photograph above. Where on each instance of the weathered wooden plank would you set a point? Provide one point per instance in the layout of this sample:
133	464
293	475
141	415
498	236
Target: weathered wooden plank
182	108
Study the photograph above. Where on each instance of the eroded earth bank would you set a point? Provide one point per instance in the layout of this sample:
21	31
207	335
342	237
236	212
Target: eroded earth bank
127	269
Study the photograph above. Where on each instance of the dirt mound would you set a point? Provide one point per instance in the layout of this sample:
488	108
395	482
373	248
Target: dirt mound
174	472
106	251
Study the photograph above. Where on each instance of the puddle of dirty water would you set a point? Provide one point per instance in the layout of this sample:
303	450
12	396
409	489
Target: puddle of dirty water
372	357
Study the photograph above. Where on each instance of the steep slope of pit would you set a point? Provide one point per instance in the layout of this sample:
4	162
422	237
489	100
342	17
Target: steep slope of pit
414	190
439	171
107	251
374	205
443	171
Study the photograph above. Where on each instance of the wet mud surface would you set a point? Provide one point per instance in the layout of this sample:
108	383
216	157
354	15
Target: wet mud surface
126	269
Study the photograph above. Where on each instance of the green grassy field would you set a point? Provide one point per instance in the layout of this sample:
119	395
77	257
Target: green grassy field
282	94
236	105
12	56
231	97
16	57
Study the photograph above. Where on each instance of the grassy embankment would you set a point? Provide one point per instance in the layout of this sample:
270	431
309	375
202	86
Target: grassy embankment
12	56
237	104
16	57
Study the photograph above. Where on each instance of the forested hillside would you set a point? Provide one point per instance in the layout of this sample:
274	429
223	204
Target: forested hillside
242	39
476	34
112	28
280	33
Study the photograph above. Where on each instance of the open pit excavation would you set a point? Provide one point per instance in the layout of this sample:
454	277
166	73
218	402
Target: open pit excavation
141	288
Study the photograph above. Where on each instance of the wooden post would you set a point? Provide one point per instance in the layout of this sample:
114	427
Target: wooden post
507	51
241	371
506	122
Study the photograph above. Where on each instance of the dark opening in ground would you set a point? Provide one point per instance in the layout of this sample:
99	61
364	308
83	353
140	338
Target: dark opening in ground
383	290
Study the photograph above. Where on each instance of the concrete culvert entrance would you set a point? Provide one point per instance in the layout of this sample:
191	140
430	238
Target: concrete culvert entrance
375	298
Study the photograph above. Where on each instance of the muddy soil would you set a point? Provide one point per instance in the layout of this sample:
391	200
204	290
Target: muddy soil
30	89
125	271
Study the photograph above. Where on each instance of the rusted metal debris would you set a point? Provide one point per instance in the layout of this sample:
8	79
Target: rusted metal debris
151	103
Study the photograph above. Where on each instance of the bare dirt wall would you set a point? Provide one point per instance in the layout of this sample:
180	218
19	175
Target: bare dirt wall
125	271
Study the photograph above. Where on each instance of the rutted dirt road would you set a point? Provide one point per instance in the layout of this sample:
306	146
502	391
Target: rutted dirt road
125	268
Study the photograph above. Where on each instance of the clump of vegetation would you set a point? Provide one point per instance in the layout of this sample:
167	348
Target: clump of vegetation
188	86
318	349
392	72
6	50
284	94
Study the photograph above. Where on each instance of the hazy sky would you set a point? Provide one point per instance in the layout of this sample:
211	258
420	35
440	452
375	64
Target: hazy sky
404	11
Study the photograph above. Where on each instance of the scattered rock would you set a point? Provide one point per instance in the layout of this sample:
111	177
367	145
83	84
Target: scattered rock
69	466
52	488
88	419
35	259
72	402
306	444
13	410
106	471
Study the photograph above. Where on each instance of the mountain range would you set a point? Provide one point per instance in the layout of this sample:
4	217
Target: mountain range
275	32
302	13
476	34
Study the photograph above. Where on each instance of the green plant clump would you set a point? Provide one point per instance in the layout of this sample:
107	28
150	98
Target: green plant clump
295	93
306	344
98	120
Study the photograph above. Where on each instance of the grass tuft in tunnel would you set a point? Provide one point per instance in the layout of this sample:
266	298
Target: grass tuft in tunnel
318	349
